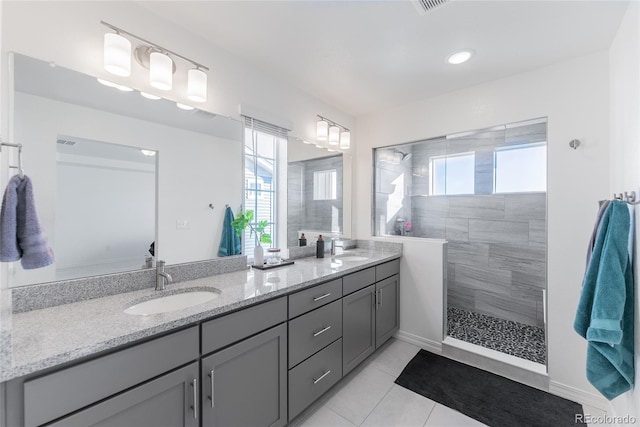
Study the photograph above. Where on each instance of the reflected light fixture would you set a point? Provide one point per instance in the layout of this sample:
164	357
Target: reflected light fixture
149	153
304	141
114	85
322	130
459	57
150	96
184	106
197	85
117	54
345	139
334	135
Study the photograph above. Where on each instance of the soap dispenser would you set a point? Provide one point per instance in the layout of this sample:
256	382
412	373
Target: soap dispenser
303	240
320	247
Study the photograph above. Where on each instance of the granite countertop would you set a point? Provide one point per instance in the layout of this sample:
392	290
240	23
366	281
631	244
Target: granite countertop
39	339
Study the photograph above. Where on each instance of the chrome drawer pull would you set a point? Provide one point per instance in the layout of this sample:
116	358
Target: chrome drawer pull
321	377
322	331
316	299
194	384
211	397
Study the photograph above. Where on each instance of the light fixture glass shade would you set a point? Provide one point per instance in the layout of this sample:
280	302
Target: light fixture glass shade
345	139
322	130
334	135
160	71
197	85
117	54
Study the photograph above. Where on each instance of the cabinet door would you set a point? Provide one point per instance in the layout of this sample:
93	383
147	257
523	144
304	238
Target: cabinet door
246	384
168	401
358	327
387	313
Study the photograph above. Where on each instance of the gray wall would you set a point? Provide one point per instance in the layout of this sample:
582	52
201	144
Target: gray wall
304	213
497	242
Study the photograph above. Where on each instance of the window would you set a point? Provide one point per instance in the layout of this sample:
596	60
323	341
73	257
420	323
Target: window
261	141
520	168
453	174
325	185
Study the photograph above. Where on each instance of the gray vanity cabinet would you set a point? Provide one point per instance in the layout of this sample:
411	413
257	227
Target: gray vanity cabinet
358	330
168	401
387	308
246	384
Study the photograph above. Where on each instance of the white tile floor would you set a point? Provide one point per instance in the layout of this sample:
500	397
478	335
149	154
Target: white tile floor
368	397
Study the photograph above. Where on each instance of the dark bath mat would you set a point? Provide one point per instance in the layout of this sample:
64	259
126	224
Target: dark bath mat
486	397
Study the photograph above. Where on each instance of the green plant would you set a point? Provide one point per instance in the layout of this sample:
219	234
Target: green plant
244	220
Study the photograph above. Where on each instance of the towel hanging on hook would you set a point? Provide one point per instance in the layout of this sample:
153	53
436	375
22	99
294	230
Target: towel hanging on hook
629	197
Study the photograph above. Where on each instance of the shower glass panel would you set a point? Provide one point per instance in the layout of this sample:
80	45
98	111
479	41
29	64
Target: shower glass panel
485	193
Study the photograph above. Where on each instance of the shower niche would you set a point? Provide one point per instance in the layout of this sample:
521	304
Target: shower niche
485	193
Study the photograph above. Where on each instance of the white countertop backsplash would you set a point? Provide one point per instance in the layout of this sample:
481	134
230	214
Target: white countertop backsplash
34	340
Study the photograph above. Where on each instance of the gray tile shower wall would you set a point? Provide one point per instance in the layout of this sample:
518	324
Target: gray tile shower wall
305	213
497	242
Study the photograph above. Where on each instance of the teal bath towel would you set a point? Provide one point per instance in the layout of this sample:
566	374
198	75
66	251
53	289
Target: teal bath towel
230	242
605	310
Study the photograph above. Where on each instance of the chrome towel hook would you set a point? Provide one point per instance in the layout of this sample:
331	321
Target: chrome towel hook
574	143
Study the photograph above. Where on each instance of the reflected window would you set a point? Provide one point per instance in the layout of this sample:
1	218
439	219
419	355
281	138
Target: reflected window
453	174
520	168
325	185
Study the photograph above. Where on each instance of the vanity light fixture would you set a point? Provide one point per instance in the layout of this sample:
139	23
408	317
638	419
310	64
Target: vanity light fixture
459	57
304	141
158	60
149	153
117	54
331	150
184	106
114	85
336	133
150	96
322	130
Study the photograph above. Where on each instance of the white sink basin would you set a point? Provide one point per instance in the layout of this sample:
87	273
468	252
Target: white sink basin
352	258
173	302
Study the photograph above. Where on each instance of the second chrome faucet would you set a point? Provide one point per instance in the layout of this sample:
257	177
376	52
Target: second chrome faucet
162	278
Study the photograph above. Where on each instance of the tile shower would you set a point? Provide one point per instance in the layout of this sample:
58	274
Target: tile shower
485	193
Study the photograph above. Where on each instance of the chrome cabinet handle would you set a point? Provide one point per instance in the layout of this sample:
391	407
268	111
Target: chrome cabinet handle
316	299
377	299
194	384
380	298
322	331
316	381
211	391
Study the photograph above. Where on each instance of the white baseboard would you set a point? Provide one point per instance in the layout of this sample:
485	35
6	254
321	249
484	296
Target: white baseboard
429	345
580	396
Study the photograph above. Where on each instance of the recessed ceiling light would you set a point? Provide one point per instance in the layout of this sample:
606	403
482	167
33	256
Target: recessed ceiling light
459	57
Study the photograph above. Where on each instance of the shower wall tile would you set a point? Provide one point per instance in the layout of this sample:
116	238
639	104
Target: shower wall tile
461	297
526	134
430	206
485	207
538	231
525	206
426	226
526	292
510	308
480	278
474	254
498	231
457	229
529	260
538	281
484	171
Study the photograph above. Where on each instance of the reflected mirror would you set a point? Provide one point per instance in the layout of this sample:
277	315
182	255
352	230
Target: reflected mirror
100	201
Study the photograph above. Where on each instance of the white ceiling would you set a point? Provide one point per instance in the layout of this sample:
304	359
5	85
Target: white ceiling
364	56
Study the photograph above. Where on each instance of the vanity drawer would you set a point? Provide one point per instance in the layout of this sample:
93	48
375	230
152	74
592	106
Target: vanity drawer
59	393
314	331
309	299
356	281
225	330
387	269
312	378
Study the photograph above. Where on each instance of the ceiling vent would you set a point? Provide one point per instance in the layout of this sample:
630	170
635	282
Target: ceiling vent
424	6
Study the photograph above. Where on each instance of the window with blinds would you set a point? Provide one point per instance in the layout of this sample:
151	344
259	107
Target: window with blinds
261	142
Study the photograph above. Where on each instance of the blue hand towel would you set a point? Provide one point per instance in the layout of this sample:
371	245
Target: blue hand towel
21	237
230	241
605	310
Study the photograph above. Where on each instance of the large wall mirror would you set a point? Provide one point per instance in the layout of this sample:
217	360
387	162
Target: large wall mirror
114	172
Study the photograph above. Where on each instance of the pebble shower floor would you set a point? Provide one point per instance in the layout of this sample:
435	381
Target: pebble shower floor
506	336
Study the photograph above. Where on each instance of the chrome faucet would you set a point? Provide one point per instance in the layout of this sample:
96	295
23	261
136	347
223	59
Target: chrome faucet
162	278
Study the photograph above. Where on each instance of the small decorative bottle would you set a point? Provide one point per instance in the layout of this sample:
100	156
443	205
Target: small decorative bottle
303	240
320	247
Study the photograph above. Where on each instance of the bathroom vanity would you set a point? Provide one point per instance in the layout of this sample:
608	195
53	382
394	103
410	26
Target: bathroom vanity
260	353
